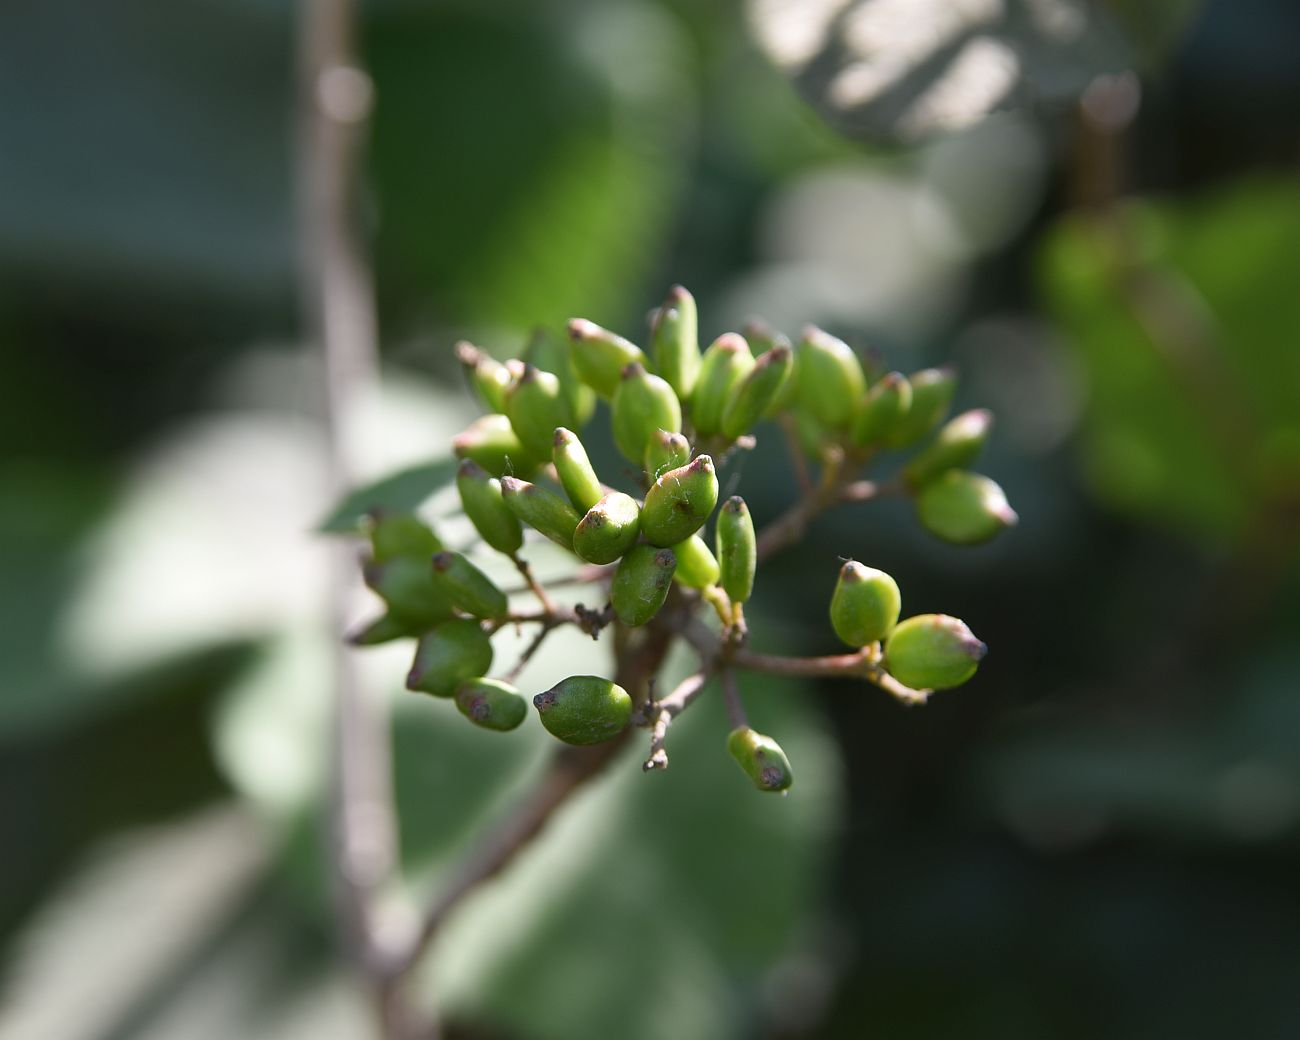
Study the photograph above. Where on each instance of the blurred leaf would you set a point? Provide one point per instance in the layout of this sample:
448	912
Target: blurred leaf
402	492
902	70
1184	315
551	194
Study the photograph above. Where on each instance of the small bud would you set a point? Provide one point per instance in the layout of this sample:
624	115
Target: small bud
575	470
400	534
697	568
726	362
641	583
491	703
964	508
491	441
406	584
454	651
885	405
642	404
384	629
536	405
540	510
480	496
831	382
932	392
737	549
666	450
584	709
957	444
865	605
468	588
757	391
609	528
599	356
679	502
761	758
933	652
489	377
676	342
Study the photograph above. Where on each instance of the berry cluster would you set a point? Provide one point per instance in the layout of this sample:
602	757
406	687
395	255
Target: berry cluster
673	410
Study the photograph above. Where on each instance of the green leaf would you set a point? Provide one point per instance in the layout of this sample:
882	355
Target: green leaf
400	492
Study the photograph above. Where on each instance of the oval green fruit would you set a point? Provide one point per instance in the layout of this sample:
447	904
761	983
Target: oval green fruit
697	568
609	528
584	709
599	356
666	450
726	362
491	703
642	404
406	584
865	605
831	380
737	549
676	342
400	534
679	502
575	471
932	393
752	399
641	584
489	377
932	652
964	508
761	758
957	444
540	510
887	402
454	651
491	441
468	588
480	497
536	405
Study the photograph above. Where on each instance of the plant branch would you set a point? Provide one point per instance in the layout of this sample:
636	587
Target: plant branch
865	664
731	697
660	715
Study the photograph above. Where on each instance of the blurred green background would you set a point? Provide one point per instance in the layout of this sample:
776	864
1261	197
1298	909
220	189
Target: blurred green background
1098	836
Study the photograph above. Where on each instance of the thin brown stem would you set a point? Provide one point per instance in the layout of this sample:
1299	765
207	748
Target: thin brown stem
662	712
731	698
533	585
865	664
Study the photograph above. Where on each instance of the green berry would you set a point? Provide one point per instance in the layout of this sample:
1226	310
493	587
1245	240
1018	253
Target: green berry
726	362
679	502
609	528
491	441
491	703
575	470
642	404
756	392
454	651
666	450
932	652
675	341
468	588
697	567
641	583
831	381
480	496
536	405
964	508
761	758
540	510
737	549
957	444
865	605
763	338
400	534
552	355
584	709
489	377
406	584
932	392
887	402
599	356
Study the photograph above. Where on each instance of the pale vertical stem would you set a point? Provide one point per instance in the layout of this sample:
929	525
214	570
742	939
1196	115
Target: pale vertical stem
337	294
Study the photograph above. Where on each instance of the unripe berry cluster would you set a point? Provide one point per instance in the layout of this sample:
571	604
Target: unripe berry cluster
674	408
